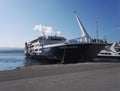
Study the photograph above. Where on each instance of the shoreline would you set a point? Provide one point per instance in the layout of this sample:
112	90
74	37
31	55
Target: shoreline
66	64
37	66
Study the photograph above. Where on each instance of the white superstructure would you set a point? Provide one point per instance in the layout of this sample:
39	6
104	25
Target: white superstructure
36	46
110	51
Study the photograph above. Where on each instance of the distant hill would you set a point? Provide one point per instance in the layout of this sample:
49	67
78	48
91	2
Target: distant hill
11	50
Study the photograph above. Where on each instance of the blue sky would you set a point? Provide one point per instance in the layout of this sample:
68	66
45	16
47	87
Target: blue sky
19	17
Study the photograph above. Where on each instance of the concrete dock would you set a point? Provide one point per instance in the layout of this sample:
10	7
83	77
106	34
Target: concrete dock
70	77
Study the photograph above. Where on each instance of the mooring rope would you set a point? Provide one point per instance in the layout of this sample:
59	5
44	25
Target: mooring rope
63	61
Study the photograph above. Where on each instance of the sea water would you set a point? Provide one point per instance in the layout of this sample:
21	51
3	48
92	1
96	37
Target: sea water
12	60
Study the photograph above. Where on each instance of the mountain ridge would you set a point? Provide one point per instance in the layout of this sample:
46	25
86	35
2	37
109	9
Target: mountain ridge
10	48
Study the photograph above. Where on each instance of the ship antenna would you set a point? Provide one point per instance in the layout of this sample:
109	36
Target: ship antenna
97	32
83	31
105	40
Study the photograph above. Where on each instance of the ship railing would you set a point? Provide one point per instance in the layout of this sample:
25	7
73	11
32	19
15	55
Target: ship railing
81	40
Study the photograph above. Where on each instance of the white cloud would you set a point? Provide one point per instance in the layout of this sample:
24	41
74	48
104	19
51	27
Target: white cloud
44	29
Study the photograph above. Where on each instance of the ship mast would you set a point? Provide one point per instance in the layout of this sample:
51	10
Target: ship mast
84	35
97	32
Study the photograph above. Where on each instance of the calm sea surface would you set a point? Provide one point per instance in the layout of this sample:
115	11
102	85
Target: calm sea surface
11	60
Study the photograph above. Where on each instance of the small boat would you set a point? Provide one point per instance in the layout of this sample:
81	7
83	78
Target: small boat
60	49
110	51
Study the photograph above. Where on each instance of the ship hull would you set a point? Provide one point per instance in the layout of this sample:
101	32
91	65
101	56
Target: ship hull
69	52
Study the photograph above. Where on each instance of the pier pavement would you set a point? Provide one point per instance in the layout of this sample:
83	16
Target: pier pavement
69	77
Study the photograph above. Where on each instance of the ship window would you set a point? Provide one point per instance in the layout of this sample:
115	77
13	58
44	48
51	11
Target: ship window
109	53
119	53
106	53
36	49
32	46
56	39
